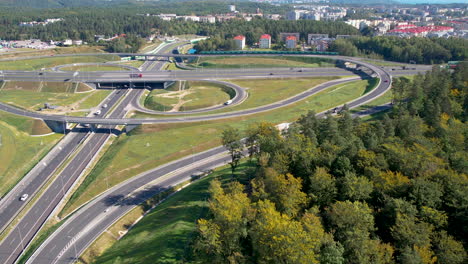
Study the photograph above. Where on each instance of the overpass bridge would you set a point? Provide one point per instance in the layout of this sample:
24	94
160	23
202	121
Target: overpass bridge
113	77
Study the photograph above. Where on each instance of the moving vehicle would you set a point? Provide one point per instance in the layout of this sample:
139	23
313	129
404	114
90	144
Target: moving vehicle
98	112
24	197
136	75
104	106
228	102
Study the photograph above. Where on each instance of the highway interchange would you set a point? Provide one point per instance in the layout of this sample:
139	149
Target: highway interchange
86	224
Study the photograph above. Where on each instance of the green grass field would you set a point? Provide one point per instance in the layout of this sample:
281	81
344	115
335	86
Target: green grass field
37	64
133	63
267	91
149	146
262	62
33	95
19	152
89	68
164	235
199	95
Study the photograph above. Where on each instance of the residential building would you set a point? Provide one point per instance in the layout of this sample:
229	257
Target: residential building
291	42
311	37
208	19
283	36
265	41
240	42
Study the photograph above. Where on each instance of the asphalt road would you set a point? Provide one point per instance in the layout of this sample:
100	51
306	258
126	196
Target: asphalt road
13	245
10	204
383	86
162	76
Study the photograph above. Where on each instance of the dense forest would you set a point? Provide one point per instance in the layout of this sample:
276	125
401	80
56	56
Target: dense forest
419	50
339	190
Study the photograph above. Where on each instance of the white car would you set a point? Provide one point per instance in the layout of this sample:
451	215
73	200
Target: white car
24	197
104	106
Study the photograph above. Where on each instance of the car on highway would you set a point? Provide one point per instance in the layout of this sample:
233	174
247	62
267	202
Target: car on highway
24	197
104	106
385	80
98	112
228	102
136	75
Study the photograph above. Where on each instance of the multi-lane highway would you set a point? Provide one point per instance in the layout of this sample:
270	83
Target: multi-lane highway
31	222
384	85
10	204
87	145
90	221
161	76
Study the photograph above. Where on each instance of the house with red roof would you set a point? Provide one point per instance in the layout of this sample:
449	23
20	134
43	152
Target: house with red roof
265	41
240	42
291	42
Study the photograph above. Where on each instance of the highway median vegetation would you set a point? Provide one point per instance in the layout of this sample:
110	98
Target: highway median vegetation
149	146
262	62
46	63
94	68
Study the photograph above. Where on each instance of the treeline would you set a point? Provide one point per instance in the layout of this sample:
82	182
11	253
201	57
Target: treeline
419	50
339	190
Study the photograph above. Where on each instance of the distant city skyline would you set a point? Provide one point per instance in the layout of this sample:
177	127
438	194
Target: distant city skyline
432	1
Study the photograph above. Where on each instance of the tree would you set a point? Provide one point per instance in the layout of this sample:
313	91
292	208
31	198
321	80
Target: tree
448	250
355	188
221	236
276	238
322	189
283	190
232	142
332	253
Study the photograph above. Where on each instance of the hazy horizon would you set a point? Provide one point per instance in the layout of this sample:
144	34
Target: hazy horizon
432	1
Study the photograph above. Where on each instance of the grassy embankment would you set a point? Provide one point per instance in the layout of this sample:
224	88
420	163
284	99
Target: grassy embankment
33	95
164	235
151	145
187	96
18	53
19	151
38	64
261	62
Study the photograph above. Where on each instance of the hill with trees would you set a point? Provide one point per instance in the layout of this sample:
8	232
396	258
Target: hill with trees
339	190
418	50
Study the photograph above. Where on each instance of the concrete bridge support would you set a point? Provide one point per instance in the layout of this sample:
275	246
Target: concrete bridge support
167	84
57	126
129	128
